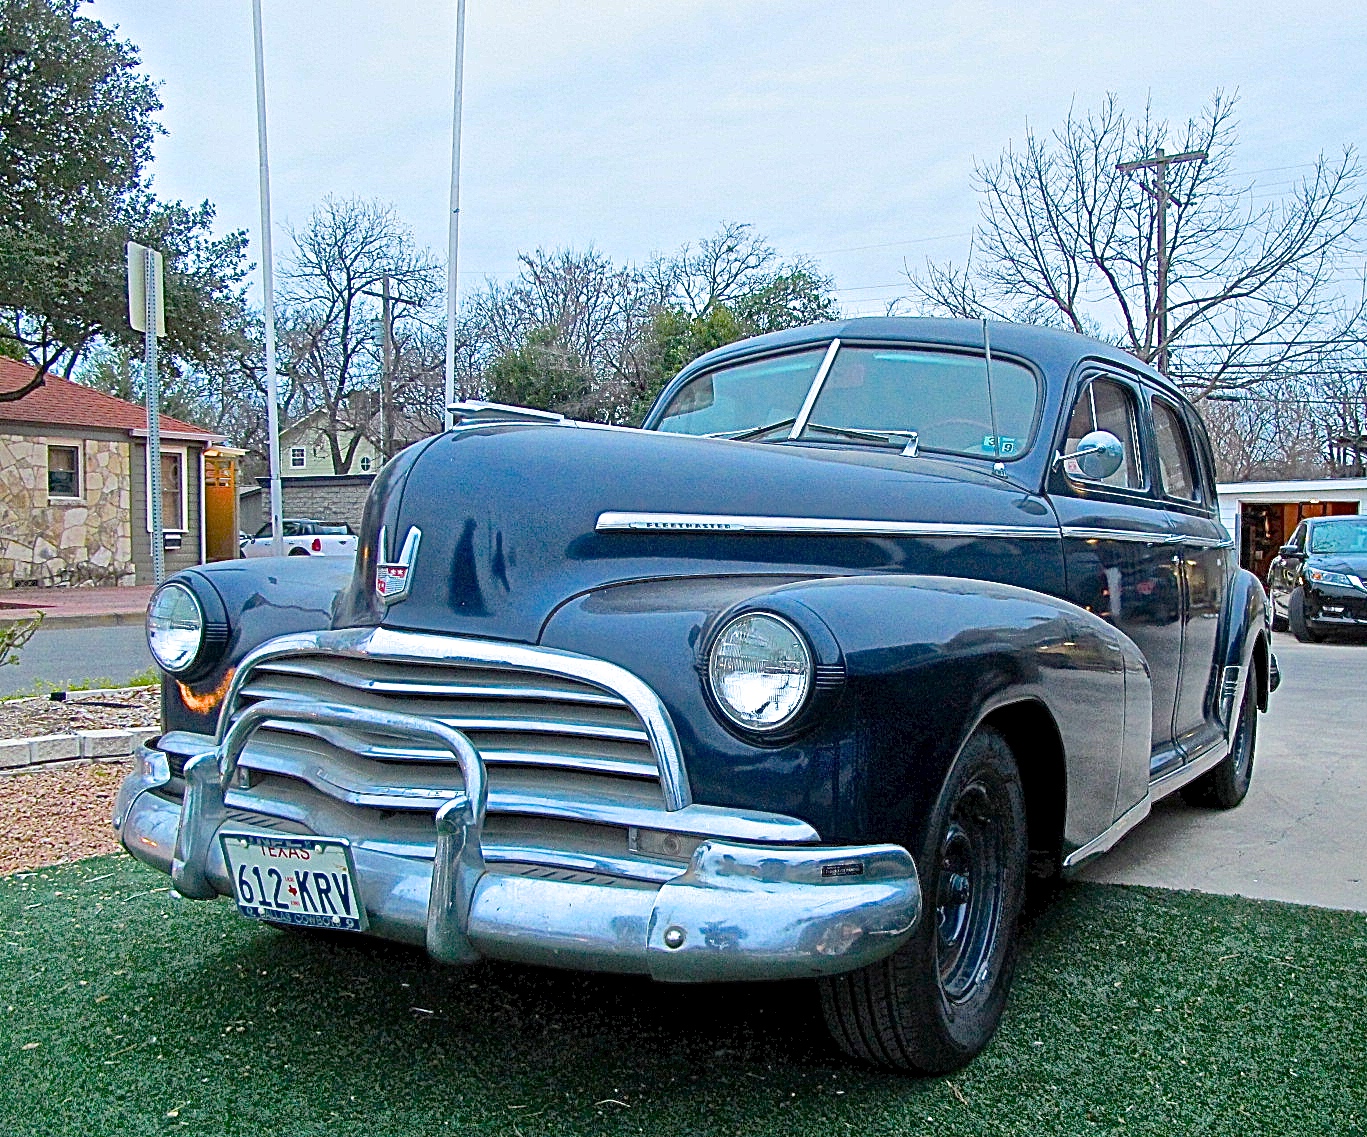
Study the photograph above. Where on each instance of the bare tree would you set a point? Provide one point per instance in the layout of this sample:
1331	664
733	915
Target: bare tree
330	312
1256	287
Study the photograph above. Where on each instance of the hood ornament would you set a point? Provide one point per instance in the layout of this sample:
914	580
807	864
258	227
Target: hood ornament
392	578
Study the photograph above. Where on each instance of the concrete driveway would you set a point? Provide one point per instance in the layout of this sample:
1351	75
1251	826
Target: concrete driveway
1301	834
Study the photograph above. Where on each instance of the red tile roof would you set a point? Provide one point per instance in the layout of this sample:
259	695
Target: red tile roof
60	402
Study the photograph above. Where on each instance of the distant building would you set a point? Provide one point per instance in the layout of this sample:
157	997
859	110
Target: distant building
74	478
305	451
1261	516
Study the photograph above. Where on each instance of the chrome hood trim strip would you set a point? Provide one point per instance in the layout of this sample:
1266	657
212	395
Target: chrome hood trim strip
615	521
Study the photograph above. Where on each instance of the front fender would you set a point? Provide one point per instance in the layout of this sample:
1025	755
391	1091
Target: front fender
263	598
924	660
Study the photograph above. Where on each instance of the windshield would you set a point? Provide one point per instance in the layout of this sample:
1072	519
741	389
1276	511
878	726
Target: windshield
909	399
741	399
1348	536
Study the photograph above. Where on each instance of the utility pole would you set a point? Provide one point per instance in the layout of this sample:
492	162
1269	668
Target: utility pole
268	288
1159	164
453	231
387	379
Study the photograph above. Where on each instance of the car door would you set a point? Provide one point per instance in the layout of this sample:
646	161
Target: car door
1119	545
1185	482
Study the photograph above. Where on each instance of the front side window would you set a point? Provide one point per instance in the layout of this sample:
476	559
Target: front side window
749	399
64	471
1346	536
1106	405
1174	454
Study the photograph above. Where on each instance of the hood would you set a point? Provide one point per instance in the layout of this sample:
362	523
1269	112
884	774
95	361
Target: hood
1355	564
509	517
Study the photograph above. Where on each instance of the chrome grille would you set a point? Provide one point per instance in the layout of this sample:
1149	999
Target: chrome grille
547	735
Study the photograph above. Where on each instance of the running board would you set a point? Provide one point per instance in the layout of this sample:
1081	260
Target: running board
1158	789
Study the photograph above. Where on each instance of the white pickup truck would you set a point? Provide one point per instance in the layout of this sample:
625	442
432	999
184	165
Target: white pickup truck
304	538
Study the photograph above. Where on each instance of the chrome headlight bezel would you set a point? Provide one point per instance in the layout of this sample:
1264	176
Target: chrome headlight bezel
213	628
800	700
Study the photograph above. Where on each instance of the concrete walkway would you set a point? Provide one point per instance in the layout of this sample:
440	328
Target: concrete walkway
77	607
1301	834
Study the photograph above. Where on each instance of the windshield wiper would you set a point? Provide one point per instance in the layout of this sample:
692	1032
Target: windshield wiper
907	439
747	433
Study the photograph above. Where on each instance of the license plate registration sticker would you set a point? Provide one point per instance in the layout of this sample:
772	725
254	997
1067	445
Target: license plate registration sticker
307	881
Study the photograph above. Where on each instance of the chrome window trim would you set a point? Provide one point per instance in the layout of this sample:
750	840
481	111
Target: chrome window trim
616	521
425	647
814	391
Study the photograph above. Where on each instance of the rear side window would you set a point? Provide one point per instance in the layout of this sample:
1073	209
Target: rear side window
1175	467
1106	405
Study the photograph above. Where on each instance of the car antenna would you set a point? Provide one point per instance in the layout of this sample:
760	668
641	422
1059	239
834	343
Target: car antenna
998	467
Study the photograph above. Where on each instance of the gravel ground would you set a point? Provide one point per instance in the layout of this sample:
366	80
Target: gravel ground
51	816
131	707
62	814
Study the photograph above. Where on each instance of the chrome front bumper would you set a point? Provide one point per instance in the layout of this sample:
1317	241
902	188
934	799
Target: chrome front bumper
738	911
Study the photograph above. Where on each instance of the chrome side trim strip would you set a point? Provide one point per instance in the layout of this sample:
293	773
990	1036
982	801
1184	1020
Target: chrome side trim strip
1087	533
800	423
616	521
424	647
1179	777
1208	542
1109	836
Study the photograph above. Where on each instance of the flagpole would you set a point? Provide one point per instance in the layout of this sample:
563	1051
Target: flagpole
268	288
453	232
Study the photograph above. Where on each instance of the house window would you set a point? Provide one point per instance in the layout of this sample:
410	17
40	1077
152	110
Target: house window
64	471
365	463
298	458
173	491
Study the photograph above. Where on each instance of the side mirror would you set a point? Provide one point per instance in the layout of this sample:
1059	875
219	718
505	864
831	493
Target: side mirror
1289	551
1098	456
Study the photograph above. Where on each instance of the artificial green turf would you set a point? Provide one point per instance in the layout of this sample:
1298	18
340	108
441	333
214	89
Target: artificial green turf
1135	1011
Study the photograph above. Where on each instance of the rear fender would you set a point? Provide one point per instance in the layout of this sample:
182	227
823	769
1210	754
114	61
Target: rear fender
1245	624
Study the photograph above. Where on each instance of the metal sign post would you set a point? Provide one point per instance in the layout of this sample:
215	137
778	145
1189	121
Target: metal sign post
147	314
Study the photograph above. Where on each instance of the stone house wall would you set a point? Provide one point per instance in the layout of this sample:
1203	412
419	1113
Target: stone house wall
62	541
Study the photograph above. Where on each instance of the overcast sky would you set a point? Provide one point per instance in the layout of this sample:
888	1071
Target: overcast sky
847	131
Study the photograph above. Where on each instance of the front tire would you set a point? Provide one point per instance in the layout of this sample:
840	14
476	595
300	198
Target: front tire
1226	785
1300	626
933	1005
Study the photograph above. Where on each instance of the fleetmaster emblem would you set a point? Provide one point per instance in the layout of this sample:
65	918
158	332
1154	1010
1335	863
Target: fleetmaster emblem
392	578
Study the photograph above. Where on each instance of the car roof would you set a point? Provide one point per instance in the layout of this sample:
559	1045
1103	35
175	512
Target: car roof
1047	345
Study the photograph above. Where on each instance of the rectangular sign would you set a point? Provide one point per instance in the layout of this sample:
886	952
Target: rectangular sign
137	289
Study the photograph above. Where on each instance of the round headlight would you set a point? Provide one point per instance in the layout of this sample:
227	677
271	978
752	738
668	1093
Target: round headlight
175	627
760	671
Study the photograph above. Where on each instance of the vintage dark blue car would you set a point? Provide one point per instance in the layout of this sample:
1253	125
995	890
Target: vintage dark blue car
870	622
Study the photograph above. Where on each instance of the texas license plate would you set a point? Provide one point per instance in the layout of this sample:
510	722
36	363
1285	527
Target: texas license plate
309	881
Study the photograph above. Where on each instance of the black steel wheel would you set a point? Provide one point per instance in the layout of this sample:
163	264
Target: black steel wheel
1226	785
1295	618
933	1005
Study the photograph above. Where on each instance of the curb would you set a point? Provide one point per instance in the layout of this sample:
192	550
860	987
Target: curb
18	755
93	620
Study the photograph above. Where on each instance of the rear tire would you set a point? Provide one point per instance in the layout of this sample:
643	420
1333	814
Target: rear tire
297	552
1227	784
1300	626
933	1005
